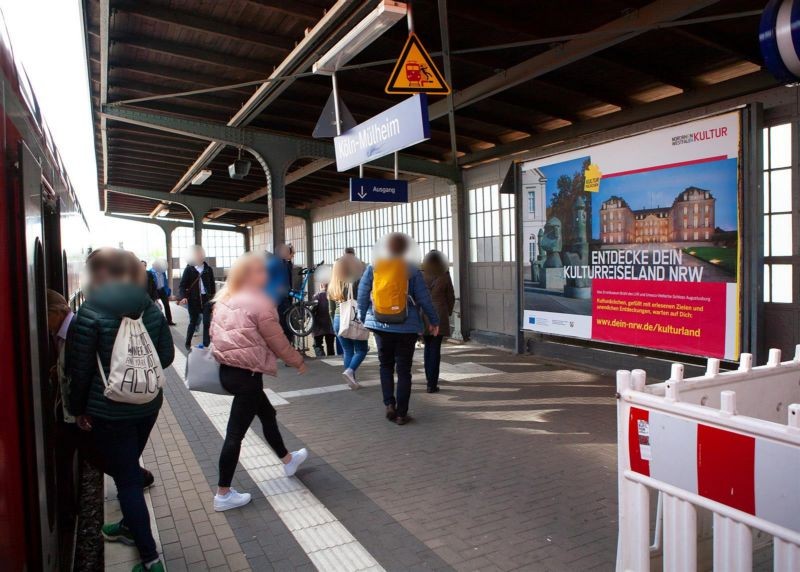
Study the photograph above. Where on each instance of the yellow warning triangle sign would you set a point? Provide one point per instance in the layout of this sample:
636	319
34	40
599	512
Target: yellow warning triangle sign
415	72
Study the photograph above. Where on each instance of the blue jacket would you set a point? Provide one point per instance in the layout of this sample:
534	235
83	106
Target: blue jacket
155	274
418	292
278	283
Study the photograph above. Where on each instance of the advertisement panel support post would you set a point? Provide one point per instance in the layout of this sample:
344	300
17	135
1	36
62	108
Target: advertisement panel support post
753	230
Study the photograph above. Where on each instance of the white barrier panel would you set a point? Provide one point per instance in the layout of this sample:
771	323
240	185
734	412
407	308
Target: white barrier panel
728	443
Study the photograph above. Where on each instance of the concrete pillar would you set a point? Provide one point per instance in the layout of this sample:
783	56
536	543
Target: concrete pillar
458	205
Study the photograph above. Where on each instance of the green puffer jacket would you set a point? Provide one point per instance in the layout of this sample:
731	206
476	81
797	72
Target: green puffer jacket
93	332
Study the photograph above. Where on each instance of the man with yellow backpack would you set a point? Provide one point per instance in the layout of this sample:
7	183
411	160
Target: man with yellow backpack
391	295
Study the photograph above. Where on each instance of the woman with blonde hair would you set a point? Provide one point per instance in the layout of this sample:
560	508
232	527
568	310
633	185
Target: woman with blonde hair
247	337
343	285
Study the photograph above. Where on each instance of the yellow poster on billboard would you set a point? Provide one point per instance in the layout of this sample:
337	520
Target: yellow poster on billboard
415	72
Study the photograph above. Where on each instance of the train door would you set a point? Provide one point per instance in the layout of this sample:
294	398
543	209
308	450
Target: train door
40	394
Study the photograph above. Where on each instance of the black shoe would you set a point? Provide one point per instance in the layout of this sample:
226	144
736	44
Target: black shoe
434	389
402	419
147	479
391	413
171	324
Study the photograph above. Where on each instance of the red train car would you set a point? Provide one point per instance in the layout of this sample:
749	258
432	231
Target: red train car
43	241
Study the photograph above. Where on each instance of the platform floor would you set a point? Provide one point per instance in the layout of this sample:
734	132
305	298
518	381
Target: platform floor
512	466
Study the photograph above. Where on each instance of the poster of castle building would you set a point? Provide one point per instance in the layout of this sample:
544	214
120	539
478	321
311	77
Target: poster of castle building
635	241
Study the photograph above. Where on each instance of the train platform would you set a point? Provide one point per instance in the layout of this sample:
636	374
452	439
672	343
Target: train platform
511	466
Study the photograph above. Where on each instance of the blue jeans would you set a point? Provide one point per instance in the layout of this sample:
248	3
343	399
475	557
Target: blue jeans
119	444
354	350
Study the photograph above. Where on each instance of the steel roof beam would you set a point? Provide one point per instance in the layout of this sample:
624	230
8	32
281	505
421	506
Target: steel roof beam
610	34
190	21
737	87
290	146
174	75
197	204
295	8
258	68
105	46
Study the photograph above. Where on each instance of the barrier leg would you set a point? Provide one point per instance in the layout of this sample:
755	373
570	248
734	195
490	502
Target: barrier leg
633	551
680	535
787	556
733	546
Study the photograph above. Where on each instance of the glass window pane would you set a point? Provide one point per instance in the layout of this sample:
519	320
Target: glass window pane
782	283
767	283
781	234
765	136
766	235
780	148
781	191
766	191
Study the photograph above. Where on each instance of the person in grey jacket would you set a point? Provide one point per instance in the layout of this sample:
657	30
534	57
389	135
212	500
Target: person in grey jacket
396	341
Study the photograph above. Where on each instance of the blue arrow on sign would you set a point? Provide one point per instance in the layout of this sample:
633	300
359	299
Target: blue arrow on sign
378	191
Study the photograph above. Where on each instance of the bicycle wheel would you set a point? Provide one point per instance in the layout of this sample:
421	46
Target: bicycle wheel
300	320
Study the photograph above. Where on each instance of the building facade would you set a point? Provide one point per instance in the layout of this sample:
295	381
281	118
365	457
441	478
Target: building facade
689	219
534	212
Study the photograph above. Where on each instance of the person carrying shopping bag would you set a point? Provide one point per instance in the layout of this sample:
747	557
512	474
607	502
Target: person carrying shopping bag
342	289
247	340
118	347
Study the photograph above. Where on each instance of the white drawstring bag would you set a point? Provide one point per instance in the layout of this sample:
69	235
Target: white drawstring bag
134	374
350	326
202	372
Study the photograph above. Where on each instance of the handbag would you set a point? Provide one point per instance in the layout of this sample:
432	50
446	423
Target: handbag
350	326
202	372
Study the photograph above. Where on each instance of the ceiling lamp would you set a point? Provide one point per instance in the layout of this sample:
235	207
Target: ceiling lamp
374	24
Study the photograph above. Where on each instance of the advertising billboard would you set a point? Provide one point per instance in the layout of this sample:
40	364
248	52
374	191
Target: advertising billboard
635	241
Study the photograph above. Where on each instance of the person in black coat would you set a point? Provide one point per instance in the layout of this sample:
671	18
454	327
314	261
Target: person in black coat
196	290
150	286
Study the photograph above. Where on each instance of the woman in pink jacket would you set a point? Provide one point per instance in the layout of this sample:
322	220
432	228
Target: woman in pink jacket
247	336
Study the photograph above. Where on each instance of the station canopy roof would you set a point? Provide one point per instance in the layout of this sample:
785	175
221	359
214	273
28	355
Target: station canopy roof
573	67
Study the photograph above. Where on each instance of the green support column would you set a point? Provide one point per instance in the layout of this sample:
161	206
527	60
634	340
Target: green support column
458	205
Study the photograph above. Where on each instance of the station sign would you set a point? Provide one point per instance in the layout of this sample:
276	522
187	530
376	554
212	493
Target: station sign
415	71
398	127
378	191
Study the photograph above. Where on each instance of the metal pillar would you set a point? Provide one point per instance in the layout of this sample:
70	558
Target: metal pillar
458	206
277	208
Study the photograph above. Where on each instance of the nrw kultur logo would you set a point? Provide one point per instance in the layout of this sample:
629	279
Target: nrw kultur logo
701	135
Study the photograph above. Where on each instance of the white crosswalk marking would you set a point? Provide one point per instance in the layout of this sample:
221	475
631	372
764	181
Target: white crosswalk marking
326	541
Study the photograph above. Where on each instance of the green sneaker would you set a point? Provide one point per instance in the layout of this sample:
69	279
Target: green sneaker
156	566
117	532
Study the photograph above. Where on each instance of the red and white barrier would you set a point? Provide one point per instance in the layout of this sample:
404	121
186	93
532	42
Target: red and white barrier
728	443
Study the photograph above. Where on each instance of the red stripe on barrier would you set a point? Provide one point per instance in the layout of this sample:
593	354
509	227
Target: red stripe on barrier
726	468
639	440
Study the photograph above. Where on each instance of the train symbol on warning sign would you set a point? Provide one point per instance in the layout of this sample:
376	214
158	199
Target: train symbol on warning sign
418	74
415	72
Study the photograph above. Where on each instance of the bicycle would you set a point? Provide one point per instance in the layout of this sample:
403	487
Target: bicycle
300	315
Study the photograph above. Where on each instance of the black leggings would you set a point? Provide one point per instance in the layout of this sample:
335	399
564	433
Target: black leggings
249	400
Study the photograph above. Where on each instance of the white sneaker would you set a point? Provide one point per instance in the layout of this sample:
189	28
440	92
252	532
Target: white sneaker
233	499
297	459
350	378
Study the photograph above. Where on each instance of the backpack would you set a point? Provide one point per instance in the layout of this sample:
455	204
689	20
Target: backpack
390	290
134	373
